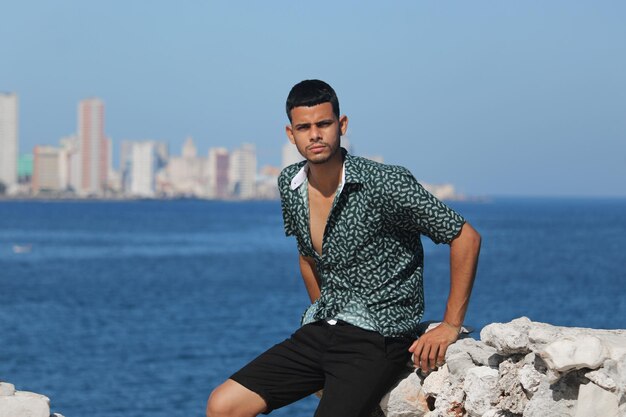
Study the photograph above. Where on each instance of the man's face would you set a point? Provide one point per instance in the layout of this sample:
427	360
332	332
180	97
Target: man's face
316	132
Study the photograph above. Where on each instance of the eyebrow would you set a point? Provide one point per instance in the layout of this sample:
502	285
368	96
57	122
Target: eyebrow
316	123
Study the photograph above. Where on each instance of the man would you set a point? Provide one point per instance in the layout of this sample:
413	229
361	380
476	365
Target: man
357	225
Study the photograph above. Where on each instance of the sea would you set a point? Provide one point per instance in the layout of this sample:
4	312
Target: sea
141	308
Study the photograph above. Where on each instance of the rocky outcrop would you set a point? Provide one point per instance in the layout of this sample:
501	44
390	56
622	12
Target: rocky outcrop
22	403
521	369
517	369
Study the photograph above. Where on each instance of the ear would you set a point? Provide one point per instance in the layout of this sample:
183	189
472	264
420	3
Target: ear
343	124
289	132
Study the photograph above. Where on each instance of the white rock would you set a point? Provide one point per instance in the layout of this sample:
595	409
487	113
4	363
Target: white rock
594	401
558	400
436	413
458	362
575	352
405	399
6	389
511	395
615	370
480	389
508	338
602	378
542	334
24	404
513	337
548	379
612	373
434	382
529	376
479	352
495	413
32	395
450	399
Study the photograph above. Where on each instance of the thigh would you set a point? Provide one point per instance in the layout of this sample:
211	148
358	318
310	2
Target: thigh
288	371
363	366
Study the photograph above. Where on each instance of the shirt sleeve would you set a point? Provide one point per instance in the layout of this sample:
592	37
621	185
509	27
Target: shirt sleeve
412	206
283	188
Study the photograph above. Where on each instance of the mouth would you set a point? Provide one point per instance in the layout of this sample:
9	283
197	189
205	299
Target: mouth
317	148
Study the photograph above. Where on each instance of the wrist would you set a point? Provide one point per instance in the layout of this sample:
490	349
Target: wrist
457	329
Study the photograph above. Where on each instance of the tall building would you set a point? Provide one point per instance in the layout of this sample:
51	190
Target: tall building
94	147
46	172
185	175
141	161
243	172
8	139
70	164
218	169
189	149
25	168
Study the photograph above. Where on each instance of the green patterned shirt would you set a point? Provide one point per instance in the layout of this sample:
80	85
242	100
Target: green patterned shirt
372	258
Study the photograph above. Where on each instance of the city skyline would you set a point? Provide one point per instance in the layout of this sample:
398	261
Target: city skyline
497	98
81	166
109	153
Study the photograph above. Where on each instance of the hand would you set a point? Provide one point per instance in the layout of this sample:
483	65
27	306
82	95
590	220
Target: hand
429	351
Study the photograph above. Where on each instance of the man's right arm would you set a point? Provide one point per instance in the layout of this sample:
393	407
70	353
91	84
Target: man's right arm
310	278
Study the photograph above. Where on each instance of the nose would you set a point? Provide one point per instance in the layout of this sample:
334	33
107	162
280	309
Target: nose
315	134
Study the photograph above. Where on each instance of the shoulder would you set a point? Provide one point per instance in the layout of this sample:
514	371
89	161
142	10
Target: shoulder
287	174
379	173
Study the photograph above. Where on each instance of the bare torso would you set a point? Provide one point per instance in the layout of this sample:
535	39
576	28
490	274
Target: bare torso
319	209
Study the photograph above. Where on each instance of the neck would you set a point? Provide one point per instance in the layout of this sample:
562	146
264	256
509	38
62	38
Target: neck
326	177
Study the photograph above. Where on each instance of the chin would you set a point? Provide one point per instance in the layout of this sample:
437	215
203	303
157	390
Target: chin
323	157
318	161
319	158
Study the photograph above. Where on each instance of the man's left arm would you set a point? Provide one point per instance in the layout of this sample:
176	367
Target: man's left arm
429	350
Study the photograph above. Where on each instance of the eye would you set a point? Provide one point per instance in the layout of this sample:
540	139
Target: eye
325	123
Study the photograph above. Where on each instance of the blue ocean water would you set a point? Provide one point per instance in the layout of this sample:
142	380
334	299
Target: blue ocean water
141	308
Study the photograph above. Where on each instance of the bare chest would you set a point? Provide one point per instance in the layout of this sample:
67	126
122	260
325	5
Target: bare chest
319	209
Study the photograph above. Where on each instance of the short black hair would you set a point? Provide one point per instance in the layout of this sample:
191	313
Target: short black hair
309	93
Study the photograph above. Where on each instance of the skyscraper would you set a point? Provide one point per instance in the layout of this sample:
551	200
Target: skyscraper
46	169
243	171
142	160
218	173
8	139
94	147
184	175
70	164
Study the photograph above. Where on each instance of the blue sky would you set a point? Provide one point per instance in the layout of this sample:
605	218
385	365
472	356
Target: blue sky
496	97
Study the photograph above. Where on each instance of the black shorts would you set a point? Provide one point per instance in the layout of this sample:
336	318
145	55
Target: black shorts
354	367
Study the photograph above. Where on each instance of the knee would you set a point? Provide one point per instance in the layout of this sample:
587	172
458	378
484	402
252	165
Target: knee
234	400
219	404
